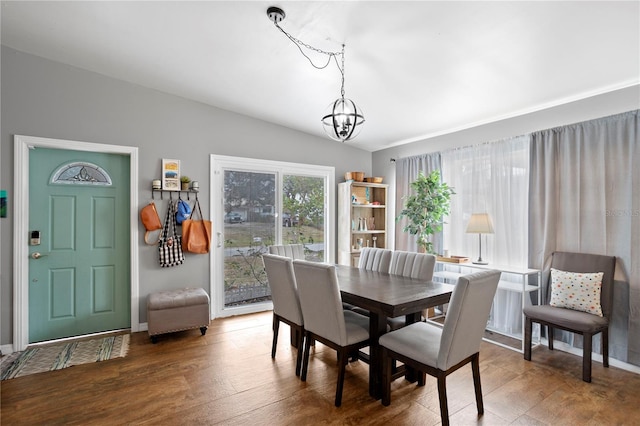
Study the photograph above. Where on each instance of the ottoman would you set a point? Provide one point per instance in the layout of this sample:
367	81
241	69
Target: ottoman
177	310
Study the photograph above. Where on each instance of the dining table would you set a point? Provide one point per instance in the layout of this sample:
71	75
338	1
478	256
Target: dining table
387	296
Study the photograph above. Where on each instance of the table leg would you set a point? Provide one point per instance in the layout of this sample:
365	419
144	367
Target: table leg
377	327
410	374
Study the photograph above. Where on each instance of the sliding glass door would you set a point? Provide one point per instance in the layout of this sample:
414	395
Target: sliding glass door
258	203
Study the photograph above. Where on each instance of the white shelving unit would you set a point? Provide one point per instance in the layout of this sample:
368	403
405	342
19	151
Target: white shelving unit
359	201
523	281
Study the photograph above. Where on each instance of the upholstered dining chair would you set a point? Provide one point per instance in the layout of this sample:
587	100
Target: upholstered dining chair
560	313
441	351
412	265
325	320
286	303
375	259
294	251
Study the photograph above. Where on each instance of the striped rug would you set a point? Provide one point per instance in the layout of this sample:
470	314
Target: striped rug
58	356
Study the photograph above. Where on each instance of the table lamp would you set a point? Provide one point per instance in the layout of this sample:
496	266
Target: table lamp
480	223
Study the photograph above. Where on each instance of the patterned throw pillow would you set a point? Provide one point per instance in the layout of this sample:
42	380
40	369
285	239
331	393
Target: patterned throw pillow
576	290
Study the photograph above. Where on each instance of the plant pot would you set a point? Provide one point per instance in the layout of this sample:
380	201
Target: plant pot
185	186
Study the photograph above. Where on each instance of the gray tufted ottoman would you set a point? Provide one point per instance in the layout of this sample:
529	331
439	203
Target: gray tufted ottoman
177	310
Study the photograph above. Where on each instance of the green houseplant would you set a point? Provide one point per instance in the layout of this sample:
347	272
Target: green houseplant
426	209
185	182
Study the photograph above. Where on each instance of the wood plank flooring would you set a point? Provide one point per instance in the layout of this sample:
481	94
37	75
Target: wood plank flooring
228	377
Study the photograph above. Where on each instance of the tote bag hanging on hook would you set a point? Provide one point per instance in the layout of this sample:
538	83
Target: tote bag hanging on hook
170	245
196	234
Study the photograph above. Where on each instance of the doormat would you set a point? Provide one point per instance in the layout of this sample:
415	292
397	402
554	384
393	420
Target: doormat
62	355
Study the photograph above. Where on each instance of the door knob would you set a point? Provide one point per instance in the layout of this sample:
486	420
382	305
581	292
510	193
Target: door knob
37	255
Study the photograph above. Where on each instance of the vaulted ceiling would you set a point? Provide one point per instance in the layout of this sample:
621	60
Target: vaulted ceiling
417	69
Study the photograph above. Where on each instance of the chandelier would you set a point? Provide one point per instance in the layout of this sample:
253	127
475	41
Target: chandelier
342	121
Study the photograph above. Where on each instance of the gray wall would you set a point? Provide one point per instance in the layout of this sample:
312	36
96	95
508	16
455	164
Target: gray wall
615	102
49	99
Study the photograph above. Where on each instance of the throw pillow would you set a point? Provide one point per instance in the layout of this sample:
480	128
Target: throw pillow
576	290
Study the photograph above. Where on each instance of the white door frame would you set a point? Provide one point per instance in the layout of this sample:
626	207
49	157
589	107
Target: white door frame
22	145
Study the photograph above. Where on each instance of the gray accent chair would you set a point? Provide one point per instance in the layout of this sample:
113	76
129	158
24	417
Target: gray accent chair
293	251
375	259
577	322
286	303
324	318
441	351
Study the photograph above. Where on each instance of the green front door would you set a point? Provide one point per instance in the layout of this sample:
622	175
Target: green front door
79	273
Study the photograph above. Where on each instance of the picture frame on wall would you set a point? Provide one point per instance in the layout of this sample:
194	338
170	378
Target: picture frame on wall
170	174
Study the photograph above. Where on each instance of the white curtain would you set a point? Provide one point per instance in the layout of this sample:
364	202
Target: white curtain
407	170
491	178
585	197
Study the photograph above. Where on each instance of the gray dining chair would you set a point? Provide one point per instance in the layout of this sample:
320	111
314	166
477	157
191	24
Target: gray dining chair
412	265
575	321
286	303
324	318
294	251
375	259
438	351
371	259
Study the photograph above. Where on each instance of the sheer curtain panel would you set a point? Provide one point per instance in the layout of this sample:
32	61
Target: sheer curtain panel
491	178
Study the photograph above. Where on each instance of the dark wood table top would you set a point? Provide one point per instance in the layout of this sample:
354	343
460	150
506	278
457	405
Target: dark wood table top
390	295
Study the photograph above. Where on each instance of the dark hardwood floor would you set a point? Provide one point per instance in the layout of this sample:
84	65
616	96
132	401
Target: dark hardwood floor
228	377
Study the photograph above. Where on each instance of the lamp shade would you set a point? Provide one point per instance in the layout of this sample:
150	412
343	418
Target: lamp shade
480	223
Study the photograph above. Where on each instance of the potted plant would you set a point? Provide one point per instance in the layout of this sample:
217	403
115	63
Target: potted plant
426	209
184	181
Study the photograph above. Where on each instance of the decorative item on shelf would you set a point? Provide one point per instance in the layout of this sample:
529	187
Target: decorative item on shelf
170	175
374	179
195	185
426	209
371	223
359	243
184	182
156	184
375	242
343	120
480	223
354	176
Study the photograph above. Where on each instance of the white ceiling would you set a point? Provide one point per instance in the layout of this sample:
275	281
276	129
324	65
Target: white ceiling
417	69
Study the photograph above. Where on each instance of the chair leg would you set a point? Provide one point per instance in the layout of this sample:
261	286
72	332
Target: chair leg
605	347
475	368
442	393
276	326
586	357
387	364
343	358
550	337
528	325
300	342
305	360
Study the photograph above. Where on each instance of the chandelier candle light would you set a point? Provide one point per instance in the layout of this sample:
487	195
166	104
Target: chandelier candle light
343	119
480	223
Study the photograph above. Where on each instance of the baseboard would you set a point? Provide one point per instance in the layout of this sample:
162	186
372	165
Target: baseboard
562	346
6	349
143	326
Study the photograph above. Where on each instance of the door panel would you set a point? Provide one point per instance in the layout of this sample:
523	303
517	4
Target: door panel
80	285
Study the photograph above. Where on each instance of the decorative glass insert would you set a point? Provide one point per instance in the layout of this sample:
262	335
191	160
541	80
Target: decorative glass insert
81	173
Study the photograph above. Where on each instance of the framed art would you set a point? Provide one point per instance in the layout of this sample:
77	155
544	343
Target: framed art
170	174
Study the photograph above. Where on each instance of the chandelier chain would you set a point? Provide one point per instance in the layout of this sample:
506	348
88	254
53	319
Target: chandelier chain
300	44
